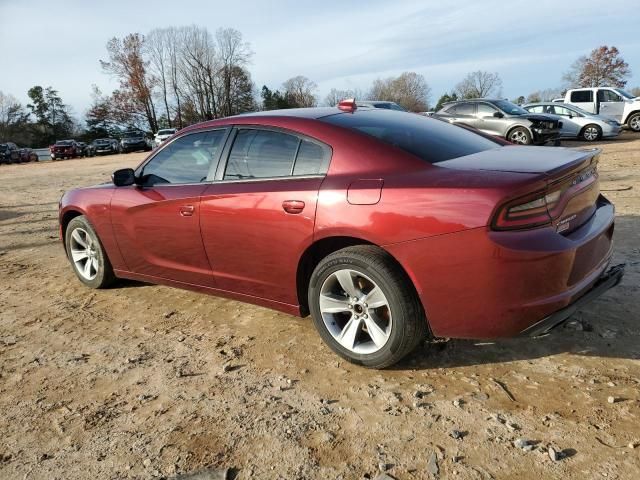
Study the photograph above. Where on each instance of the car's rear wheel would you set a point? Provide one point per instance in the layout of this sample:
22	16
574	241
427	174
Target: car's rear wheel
634	122
519	135
591	132
365	308
87	255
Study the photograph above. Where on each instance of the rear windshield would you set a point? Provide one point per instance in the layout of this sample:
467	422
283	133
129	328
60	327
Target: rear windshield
64	143
4	147
166	132
427	138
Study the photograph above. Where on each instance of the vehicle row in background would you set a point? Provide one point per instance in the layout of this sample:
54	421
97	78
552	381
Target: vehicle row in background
502	119
11	153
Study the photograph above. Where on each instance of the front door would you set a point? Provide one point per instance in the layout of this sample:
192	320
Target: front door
611	104
157	223
258	217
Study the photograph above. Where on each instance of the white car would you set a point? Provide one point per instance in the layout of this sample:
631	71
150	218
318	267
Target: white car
162	135
576	123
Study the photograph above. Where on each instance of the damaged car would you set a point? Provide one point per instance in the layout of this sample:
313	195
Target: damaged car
503	119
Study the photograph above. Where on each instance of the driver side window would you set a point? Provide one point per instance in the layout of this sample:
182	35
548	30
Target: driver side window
609	96
185	160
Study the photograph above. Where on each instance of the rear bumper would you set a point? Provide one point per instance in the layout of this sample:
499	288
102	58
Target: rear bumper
609	279
483	284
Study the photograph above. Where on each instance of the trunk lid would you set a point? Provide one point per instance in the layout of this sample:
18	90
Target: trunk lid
571	176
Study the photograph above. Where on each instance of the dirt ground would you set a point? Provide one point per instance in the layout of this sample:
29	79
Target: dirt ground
143	381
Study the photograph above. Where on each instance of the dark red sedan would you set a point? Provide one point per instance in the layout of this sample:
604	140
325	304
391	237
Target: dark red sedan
389	228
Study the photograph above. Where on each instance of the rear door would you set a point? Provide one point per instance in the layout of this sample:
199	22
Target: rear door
611	104
157	223
258	216
464	112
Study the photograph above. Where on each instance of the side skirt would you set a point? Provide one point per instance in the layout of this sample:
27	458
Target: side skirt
263	302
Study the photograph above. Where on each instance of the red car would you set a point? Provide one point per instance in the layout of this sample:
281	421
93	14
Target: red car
389	228
65	149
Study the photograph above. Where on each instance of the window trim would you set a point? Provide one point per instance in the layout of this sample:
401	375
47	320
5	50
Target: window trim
212	167
224	160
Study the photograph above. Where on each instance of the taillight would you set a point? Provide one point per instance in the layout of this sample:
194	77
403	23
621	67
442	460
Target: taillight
526	212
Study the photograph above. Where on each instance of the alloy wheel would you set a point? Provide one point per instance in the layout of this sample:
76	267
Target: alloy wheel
84	254
519	137
634	124
355	311
591	133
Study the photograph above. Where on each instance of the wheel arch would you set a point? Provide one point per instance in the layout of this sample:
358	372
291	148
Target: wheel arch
581	132
631	114
326	246
518	125
66	217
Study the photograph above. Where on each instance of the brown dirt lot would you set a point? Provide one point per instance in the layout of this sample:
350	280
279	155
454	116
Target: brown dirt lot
131	382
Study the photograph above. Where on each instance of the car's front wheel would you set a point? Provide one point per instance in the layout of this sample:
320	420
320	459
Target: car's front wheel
365	308
591	133
519	135
87	255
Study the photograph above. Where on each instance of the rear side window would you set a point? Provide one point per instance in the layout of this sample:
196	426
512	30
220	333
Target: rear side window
312	159
430	139
582	96
463	109
267	154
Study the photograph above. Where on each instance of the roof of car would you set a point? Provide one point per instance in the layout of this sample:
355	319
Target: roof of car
312	113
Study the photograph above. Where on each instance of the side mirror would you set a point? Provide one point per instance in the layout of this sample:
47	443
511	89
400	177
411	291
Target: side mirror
498	114
123	177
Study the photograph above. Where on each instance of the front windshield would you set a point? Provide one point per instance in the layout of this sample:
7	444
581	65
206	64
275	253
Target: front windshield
624	93
510	108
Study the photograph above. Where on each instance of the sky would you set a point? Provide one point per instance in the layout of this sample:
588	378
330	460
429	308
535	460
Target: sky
343	44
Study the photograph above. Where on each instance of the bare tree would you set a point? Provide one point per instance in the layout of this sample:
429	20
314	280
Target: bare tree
157	48
299	91
479	84
335	96
198	71
233	53
409	89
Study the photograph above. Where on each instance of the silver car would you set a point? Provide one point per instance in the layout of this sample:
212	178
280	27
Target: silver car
501	118
577	123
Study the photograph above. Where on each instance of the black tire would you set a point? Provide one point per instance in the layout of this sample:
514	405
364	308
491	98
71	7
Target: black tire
409	325
520	136
591	133
633	122
104	275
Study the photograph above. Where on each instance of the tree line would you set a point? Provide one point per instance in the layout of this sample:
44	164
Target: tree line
177	76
